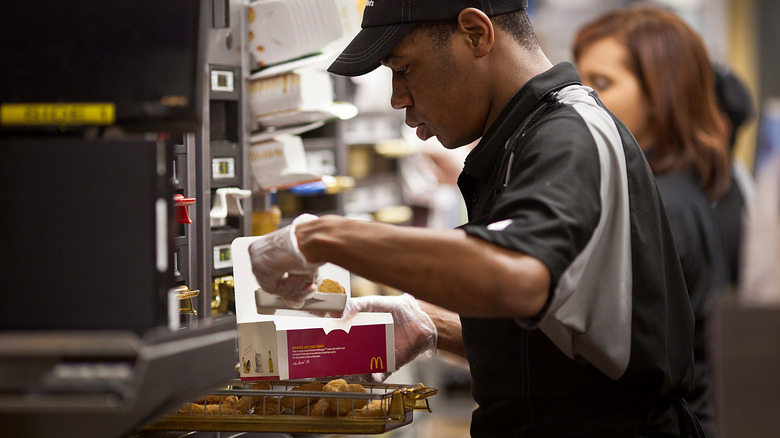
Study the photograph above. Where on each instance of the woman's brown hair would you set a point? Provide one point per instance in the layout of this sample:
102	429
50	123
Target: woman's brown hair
671	63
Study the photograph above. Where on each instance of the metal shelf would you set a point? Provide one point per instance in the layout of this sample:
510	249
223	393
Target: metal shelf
281	406
106	383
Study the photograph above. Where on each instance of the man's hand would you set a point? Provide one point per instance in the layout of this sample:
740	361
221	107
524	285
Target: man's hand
414	330
280	267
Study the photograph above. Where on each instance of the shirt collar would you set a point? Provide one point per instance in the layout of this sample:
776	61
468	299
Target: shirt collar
482	159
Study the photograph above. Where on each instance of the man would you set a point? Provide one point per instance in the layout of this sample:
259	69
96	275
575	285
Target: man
563	293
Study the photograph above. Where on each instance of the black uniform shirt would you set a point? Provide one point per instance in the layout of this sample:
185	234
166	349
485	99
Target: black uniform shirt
614	340
697	237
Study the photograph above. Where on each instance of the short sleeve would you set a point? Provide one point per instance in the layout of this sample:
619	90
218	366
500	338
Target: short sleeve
550	205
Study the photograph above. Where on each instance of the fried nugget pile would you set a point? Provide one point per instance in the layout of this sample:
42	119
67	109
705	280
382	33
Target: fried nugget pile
292	404
223	404
331	287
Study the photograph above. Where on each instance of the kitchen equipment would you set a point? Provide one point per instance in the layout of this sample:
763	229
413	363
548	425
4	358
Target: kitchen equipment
181	203
222	295
94	63
185	296
106	383
279	162
394	406
282	30
87	229
227	202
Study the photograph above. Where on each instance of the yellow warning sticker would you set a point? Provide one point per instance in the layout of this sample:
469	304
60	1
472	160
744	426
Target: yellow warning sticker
57	114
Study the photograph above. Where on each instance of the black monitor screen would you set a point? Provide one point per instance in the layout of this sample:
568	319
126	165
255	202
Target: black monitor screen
142	56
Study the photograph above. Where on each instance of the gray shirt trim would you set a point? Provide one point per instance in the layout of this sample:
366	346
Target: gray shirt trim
589	316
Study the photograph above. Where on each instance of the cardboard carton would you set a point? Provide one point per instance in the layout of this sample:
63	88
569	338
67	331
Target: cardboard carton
294	344
292	347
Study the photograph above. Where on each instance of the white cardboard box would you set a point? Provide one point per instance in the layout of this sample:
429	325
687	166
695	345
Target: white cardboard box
294	347
294	344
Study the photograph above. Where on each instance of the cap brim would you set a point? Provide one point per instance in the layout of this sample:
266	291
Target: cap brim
368	48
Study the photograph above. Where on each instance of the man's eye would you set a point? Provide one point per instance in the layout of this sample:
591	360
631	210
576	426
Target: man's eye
402	70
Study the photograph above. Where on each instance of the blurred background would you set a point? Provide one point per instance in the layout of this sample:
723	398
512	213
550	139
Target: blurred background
211	120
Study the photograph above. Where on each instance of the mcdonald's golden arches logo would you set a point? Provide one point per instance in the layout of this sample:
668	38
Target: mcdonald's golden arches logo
377	362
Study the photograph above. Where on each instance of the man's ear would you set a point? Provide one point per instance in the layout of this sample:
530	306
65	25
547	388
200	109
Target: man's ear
477	27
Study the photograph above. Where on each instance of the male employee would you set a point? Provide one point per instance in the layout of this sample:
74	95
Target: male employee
563	290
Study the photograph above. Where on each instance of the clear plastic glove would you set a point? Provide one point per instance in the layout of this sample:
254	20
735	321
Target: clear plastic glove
280	267
413	329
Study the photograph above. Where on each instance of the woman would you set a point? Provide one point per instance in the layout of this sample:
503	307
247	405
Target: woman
652	71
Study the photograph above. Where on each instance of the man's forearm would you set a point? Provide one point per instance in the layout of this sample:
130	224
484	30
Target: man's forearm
448	327
448	268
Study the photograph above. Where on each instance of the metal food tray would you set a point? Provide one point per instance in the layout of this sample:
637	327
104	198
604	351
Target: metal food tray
394	405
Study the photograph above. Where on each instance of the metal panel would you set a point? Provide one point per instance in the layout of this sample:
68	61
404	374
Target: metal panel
746	369
82	234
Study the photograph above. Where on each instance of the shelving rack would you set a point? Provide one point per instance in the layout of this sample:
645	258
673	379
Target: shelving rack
86	344
80	374
214	158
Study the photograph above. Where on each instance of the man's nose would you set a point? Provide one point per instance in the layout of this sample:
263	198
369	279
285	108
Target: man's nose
401	98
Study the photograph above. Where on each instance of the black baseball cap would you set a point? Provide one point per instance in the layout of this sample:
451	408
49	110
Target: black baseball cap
386	23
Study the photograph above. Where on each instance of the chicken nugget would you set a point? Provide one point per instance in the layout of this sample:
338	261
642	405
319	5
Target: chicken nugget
296	402
336	385
318	409
331	287
261	385
226	407
342	406
208	399
249	402
267	406
374	409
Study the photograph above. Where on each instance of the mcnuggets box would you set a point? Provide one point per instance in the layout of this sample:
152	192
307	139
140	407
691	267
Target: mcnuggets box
283	344
291	347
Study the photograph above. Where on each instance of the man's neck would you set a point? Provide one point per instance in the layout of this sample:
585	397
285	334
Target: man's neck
519	67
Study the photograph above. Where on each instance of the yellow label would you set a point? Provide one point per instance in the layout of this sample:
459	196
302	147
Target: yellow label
376	362
57	114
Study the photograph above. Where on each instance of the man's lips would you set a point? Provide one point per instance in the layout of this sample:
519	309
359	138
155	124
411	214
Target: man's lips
422	132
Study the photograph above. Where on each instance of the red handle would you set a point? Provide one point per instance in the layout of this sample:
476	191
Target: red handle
181	203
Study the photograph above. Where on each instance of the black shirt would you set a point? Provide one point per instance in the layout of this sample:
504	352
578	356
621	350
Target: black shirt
614	340
730	209
698	241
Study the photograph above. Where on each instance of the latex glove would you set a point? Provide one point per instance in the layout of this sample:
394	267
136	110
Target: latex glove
413	329
280	267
